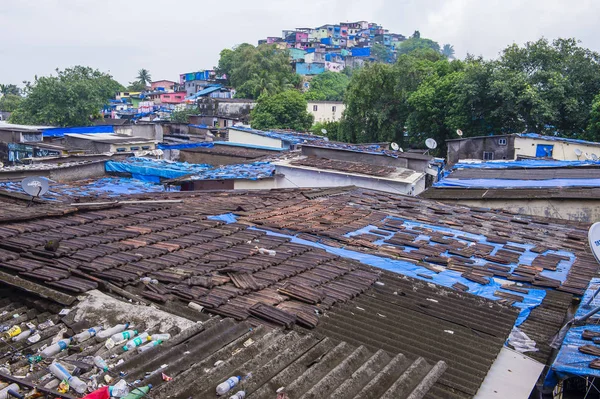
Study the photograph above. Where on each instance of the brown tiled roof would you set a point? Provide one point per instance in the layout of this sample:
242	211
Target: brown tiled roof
242	152
351	167
222	268
578	193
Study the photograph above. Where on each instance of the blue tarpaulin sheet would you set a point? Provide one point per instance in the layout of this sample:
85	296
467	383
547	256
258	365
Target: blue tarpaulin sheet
510	183
529	163
61	131
448	277
109	186
225	217
257	147
151	170
148	169
570	362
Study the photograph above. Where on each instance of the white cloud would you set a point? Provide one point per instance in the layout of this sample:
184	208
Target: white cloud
170	38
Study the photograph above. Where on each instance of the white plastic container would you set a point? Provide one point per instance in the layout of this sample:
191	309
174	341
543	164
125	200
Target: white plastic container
137	341
61	373
160	337
56	348
238	395
100	363
24	335
109	332
123	336
226	386
149	345
11	387
87	334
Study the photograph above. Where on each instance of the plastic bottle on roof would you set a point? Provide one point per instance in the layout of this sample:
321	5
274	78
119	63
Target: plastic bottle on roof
149	345
104	334
161	337
56	348
4	394
238	395
100	363
123	336
24	335
137	341
87	334
11	332
138	393
61	373
226	386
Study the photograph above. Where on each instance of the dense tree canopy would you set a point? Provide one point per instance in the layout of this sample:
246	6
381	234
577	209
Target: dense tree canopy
328	86
10	102
543	87
255	71
284	110
72	98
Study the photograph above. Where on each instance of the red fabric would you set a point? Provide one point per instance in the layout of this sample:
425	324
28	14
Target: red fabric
101	393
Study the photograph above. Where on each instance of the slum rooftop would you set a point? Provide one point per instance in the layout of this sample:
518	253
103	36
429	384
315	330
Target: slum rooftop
378	273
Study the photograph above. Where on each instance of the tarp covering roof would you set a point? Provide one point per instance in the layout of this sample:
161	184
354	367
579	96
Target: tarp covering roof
61	131
292	137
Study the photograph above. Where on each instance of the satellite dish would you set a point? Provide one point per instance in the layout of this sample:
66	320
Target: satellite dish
594	240
395	146
578	152
400	149
587	156
459	132
594	157
324	131
35	186
431	144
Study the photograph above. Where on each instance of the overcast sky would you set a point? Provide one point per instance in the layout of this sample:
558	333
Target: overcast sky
177	36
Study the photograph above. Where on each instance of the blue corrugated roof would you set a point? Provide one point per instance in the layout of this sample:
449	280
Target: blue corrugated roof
206	91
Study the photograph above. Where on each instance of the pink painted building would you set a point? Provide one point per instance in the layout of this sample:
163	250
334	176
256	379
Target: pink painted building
167	85
172	98
301	37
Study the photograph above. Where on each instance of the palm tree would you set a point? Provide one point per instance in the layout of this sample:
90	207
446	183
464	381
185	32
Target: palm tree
9	89
448	51
144	76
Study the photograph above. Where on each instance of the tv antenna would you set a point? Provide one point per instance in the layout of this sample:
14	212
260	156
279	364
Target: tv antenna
594	157
578	153
395	146
324	131
459	132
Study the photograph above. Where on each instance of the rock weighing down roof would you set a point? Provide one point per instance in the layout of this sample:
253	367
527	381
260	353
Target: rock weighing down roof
199	251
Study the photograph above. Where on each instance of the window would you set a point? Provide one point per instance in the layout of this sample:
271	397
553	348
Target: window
145	147
315	107
178	97
122	149
333	108
501	141
488	156
167	96
134	148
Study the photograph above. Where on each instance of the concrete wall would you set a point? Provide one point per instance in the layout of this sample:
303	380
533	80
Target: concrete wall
152	131
587	211
238	136
326	111
65	174
297	177
211	159
474	148
562	151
